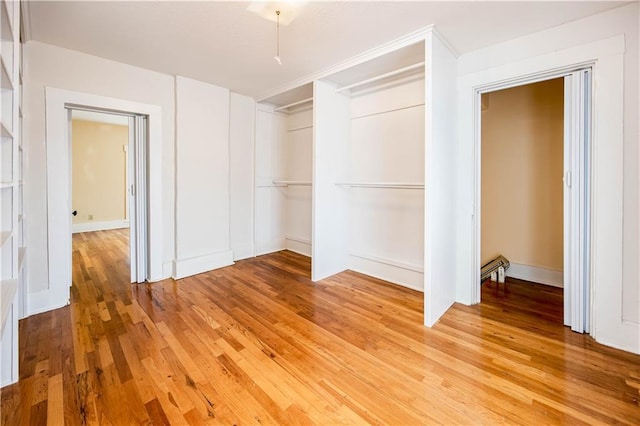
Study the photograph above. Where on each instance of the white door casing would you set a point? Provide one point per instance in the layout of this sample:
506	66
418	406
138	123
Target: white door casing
606	57
59	187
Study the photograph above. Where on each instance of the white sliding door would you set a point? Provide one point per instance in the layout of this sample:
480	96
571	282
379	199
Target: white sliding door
577	135
137	194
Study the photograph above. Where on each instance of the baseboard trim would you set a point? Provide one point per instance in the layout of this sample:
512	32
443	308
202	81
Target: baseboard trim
46	300
536	274
199	264
401	273
298	245
99	226
242	251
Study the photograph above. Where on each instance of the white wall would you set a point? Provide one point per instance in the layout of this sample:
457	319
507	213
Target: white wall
330	228
283	152
387	145
241	175
616	288
441	134
51	66
202	177
298	151
270	164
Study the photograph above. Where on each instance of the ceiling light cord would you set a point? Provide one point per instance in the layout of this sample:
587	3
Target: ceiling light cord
277	57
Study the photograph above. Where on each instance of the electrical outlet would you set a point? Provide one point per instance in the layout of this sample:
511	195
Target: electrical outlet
90	217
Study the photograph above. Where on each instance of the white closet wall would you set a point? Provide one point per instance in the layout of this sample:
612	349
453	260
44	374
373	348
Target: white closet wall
270	199
242	111
283	168
298	145
387	147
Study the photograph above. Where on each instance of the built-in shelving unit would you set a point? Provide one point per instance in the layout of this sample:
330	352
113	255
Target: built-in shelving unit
284	147
13	250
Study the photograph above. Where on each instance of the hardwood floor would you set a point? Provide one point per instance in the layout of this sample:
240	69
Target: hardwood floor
259	343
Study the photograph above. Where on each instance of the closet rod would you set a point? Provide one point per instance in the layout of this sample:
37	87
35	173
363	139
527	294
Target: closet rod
292	182
397	185
304	101
381	77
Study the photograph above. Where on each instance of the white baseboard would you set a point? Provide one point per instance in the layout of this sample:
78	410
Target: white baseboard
266	247
401	273
99	226
242	251
46	300
199	264
536	274
298	245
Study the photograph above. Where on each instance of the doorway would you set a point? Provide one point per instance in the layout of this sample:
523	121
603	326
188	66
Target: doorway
534	185
147	181
100	180
109	178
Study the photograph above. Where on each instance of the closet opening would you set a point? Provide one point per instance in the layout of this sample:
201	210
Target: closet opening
534	197
283	182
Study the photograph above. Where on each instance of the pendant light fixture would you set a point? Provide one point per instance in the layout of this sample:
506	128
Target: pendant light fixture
277	57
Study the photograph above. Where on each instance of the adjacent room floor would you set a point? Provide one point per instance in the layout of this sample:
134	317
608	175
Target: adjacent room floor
259	343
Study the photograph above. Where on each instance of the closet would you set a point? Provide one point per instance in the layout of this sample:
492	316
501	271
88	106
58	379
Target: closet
283	170
340	170
384	175
12	238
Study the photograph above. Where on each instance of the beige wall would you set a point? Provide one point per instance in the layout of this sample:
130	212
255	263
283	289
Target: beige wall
522	166
99	171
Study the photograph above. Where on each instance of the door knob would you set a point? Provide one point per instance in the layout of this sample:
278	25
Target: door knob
75	212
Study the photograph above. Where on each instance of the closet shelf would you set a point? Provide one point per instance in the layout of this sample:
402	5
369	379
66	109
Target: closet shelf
7	184
292	182
8	290
396	185
381	77
304	101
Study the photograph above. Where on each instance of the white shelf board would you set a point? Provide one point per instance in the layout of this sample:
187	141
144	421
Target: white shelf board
7	185
5	236
22	251
8	290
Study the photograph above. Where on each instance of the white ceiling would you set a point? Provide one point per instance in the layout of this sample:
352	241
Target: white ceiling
225	44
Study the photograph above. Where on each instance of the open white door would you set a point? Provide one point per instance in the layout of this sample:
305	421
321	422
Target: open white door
577	135
137	198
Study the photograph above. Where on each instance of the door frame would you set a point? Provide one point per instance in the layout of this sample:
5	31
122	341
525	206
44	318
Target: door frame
59	185
576	221
608	325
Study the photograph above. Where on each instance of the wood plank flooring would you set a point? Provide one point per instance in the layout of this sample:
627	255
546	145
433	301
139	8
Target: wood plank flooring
257	342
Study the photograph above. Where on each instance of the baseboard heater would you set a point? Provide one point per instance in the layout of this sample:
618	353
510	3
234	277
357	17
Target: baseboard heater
493	266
